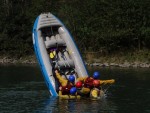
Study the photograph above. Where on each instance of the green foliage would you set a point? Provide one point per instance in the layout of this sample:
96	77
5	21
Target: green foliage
103	26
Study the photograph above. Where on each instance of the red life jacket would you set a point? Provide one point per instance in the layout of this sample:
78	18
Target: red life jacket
66	89
88	82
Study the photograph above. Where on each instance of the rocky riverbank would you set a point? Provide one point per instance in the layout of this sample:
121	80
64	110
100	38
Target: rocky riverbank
33	60
25	60
123	65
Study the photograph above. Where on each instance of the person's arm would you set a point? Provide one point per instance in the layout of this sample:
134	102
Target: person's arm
111	81
85	90
61	80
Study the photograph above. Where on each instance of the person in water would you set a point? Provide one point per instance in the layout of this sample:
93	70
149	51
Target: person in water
90	86
85	86
67	89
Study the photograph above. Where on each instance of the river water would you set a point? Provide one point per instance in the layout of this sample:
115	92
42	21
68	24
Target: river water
22	90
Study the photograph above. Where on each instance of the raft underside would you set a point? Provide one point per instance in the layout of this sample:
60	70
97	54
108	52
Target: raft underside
67	58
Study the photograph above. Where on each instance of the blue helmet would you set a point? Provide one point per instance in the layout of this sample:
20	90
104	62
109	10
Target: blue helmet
73	90
71	78
96	75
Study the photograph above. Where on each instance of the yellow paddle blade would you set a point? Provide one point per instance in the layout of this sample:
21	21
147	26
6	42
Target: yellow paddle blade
94	93
107	81
51	55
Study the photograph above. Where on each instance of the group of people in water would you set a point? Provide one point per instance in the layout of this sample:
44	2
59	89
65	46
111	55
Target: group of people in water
82	86
72	87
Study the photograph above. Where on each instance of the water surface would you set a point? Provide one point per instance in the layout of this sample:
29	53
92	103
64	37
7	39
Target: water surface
22	90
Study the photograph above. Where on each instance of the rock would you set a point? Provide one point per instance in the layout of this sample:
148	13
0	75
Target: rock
126	64
96	64
105	65
143	65
114	64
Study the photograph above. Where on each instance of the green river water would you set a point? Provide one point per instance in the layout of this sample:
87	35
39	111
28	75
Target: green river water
23	90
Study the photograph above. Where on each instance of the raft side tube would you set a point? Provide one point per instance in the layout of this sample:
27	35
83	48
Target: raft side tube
79	66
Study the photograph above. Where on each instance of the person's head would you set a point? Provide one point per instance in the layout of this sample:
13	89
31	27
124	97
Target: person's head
73	90
79	84
96	83
71	78
96	75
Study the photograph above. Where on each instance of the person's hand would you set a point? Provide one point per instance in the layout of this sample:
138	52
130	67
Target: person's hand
60	88
56	71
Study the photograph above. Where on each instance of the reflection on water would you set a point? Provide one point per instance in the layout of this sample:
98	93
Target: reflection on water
22	90
56	105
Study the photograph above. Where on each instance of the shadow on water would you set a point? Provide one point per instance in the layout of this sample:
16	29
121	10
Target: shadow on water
22	90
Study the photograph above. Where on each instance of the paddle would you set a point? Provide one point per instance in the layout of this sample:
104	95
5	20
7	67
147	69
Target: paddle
52	54
107	82
111	81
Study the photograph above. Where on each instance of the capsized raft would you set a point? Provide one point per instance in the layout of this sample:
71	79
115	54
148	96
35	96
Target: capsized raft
55	49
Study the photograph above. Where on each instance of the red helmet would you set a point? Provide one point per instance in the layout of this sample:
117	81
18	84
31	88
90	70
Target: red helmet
79	84
96	83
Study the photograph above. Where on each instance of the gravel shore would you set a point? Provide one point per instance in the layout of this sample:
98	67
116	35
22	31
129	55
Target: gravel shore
33	60
123	65
27	60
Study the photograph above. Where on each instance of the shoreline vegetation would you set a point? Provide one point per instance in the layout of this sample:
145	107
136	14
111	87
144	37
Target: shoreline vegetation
134	59
90	59
107	33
